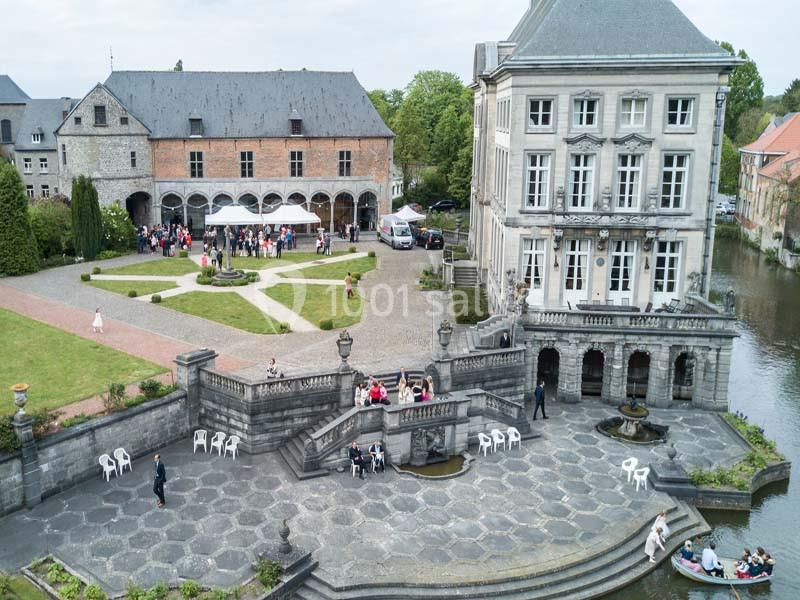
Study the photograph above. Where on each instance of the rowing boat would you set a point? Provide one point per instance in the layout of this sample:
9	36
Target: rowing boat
730	574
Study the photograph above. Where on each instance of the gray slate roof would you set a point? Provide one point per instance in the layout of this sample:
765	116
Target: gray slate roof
44	115
245	104
10	92
609	28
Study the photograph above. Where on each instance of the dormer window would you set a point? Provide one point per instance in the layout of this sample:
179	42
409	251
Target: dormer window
195	126
296	122
36	138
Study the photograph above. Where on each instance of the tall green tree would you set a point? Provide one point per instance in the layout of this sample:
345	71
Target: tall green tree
432	92
413	138
386	103
747	90
19	254
448	138
87	223
751	125
791	97
729	168
460	178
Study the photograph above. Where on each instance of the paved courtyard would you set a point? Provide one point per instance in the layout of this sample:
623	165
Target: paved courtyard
559	496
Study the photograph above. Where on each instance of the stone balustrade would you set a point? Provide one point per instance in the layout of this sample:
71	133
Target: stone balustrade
579	320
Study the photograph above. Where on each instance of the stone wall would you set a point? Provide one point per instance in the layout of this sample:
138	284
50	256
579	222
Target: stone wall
11	497
35	177
500	372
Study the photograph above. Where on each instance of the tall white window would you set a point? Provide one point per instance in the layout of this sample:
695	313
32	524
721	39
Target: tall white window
674	176
584	113
43	165
29	191
195	164
533	263
576	283
246	164
538	183
629	180
501	174
668	258
45	191
634	112
27	165
296	163
680	112
623	255
540	112
581	181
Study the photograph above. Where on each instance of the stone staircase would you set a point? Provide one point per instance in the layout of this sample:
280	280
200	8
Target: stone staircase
606	571
465	274
486	334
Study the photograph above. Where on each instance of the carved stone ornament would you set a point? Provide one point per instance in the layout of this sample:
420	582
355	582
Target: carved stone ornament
585	142
583	219
558	235
671	235
605	199
633	142
652	199
635	94
602	239
560	193
649	238
587	94
628	219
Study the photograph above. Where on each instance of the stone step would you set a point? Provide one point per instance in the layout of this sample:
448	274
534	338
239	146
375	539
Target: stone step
586	579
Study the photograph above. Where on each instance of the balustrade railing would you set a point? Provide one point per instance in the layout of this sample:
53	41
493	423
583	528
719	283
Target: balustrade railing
221	382
425	411
486	360
289	385
665	321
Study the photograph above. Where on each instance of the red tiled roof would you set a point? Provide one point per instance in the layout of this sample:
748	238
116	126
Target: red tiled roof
777	168
782	139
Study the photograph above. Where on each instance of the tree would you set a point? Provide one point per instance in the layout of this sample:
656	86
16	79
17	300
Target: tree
51	222
386	103
119	234
413	138
729	168
460	179
751	125
18	252
432	92
87	224
747	90
791	97
178	65
448	137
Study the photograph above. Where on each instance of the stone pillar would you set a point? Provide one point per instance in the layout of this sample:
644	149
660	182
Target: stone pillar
530	371
658	378
702	388
23	428
608	375
187	377
333	200
619	376
569	375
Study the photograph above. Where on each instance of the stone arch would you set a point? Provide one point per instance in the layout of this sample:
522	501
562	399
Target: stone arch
548	362
197	208
220	200
249	201
367	210
171	208
271	201
683	377
138	207
593	372
170	193
637	373
320	204
343	208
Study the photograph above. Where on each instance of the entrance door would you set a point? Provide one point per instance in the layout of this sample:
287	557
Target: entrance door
667	272
576	271
533	256
621	284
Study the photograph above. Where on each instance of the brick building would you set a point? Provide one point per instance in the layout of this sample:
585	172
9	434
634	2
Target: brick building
176	146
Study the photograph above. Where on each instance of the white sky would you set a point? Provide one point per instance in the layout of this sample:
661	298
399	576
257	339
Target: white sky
61	47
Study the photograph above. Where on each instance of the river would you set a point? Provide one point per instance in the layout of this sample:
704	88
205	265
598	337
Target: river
765	385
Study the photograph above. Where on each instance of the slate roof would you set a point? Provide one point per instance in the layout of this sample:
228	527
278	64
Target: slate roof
42	116
784	138
10	92
610	29
248	104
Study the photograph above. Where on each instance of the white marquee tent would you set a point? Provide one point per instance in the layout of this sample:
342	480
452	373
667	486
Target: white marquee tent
408	214
234	215
290	214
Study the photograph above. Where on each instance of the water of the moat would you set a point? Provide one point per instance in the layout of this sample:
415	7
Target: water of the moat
765	385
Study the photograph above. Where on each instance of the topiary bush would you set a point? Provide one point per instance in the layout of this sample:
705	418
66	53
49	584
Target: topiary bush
183	254
19	253
132	293
326	324
371	253
356	276
352	250
96	271
87	222
155	298
51	223
86	276
283	327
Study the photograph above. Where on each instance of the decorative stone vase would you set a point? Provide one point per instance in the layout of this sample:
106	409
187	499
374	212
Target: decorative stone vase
345	344
445	332
285	547
671	452
20	397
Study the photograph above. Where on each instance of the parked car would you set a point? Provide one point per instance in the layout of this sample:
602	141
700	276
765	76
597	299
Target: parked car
730	208
432	239
444	205
721	208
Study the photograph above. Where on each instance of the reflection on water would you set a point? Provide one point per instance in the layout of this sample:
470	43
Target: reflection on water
765	385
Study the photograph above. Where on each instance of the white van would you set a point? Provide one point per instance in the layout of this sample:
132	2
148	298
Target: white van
396	232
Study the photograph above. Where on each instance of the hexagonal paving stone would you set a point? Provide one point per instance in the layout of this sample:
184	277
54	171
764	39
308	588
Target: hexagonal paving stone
584	439
159	519
83	502
610	497
151	574
284	510
123	526
236	489
205	545
184	484
100	516
106	547
145	539
266	483
241	538
466	550
575	487
231	560
117	497
593	452
514	465
566	456
550	491
602	482
227	505
529	536
86	534
435	498
491	485
181	531
407	486
205	495
129	561
404	546
313	503
527	516
582	503
65	521
496	522
250	518
136	508
466	530
407	504
215	478
168	553
495	542
194	566
344	516
216	524
375	510
465	510
560	529
554	509
589	523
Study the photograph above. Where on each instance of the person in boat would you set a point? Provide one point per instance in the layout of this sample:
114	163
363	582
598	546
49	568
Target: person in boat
653	542
769	563
742	569
756	566
661	522
688	559
710	562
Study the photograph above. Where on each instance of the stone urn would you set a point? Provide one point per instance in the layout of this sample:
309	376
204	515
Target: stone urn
285	547
345	345
445	332
671	452
20	397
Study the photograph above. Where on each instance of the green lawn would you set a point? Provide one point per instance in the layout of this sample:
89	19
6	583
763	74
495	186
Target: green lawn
336	270
60	367
287	258
22	589
228	308
160	266
142	287
317	302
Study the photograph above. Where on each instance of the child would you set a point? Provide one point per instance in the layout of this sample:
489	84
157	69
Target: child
97	324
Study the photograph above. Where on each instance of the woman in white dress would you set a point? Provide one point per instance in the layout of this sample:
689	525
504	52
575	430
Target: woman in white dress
401	391
661	523
97	324
653	542
430	387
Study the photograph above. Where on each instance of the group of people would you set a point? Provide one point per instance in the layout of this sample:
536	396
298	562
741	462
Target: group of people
374	391
376	456
324	244
349	231
163	237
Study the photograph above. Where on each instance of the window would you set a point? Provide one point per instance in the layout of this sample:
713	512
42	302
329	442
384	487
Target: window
668	255
55	190
64	114
538	182
623	254
45	191
629	179
43	165
501	174
29	191
577	261
36	138
5	131
64	154
533	263
673	180
345	163
27	165
634	111
246	163
540	113
123	120
296	163
680	112
195	164
297	127
503	114
77	120
133	160
100	115
584	113
195	127
581	181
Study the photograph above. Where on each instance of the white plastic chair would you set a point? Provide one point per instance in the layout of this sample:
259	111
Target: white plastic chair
485	443
629	466
514	436
497	438
640	477
123	458
232	446
216	442
109	466
200	440
353	467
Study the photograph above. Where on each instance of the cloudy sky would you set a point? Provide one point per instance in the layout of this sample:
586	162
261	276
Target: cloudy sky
61	47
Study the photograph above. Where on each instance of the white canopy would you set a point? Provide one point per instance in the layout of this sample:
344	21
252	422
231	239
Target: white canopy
408	214
290	214
234	215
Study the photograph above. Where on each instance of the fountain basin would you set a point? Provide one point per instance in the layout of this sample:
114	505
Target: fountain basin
646	433
454	466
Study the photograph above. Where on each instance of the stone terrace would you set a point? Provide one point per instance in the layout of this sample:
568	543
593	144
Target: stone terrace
560	495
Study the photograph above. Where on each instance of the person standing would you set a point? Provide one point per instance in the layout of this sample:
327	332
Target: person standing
505	340
348	285
159	481
278	247
653	542
97	324
538	394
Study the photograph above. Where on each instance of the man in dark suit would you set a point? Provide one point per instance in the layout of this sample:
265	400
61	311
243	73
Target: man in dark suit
539	396
159	481
505	340
355	455
278	247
